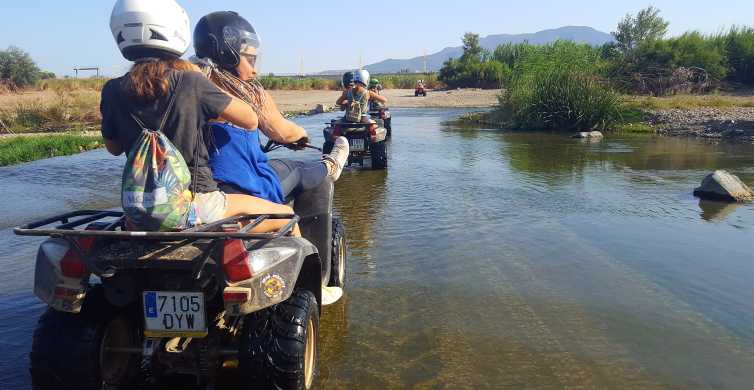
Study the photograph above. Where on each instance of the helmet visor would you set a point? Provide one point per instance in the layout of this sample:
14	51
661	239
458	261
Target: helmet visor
241	39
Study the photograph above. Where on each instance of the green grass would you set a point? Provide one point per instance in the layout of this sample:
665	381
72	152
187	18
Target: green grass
561	100
24	149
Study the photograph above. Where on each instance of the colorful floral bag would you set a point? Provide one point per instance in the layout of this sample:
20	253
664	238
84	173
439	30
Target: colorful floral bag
155	192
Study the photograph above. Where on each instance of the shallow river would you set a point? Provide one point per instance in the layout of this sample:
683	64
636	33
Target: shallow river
484	259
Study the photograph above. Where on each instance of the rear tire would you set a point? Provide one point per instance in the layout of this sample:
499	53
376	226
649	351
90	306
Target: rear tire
280	345
68	350
339	254
379	155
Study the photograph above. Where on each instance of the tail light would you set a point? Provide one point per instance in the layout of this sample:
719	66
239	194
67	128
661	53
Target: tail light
373	133
382	114
336	132
235	264
72	264
236	295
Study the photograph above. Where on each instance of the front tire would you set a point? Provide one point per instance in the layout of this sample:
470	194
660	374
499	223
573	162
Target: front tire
379	155
280	345
339	254
70	351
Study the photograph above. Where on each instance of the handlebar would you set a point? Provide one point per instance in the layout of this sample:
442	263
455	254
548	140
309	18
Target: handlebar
272	145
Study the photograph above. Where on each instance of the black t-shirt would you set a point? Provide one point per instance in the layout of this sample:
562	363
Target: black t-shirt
197	100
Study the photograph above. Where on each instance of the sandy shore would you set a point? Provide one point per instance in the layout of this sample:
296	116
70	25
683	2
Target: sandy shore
298	101
306	100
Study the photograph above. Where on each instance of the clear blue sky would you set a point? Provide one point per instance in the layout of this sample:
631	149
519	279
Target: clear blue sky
334	34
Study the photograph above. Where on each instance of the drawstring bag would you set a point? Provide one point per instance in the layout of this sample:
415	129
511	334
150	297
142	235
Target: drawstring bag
155	192
353	109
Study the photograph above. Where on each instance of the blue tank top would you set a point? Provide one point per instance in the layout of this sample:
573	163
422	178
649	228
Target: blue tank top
236	157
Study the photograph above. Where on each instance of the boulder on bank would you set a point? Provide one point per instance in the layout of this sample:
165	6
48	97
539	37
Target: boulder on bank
321	109
588	134
721	185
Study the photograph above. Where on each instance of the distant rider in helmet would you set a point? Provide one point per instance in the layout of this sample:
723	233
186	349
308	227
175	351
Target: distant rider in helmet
227	46
361	94
375	88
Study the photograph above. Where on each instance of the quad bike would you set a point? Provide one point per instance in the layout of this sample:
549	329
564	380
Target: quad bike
383	118
420	90
129	307
366	141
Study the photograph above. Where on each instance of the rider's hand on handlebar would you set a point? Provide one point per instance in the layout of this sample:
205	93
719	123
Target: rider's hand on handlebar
300	144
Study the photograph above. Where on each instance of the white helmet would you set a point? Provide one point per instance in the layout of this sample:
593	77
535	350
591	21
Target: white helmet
150	28
361	76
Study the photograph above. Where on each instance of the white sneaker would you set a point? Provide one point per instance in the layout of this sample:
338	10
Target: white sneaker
337	158
331	295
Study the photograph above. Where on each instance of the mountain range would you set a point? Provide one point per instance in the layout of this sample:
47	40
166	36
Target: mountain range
579	34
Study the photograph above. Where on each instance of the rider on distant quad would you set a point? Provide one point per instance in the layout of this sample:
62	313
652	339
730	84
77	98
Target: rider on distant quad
357	98
375	88
420	89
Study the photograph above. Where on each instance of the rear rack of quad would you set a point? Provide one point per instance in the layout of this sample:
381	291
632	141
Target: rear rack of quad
71	225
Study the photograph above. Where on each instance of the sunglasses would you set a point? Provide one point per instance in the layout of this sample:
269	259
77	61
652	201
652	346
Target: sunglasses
251	58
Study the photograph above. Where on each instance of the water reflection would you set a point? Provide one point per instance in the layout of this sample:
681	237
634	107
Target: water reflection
717	211
360	199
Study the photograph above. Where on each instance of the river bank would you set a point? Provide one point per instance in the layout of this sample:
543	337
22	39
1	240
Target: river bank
729	117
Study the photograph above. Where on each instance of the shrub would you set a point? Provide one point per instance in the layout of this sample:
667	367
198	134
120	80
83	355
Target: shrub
739	47
560	99
17	66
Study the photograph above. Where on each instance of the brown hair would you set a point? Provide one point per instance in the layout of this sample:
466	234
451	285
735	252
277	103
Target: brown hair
148	81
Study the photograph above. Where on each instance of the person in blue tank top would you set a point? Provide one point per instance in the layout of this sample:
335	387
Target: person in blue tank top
226	46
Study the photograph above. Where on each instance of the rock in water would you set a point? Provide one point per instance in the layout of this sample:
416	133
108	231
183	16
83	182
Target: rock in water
721	185
588	134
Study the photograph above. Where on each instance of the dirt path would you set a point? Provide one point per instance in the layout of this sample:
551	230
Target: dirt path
307	100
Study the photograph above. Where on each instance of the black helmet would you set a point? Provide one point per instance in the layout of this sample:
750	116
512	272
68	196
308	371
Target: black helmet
347	79
220	36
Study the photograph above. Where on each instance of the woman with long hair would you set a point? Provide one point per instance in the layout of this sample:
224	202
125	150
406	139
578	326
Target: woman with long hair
163	92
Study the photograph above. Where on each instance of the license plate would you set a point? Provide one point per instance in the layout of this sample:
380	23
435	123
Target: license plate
357	144
174	314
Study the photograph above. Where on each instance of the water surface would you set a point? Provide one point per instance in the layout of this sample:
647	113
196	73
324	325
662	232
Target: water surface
486	259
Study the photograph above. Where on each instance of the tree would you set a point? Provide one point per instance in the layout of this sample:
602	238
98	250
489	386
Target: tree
472	50
17	66
632	31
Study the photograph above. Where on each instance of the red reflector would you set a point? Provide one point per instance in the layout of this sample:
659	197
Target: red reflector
231	297
235	265
72	266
